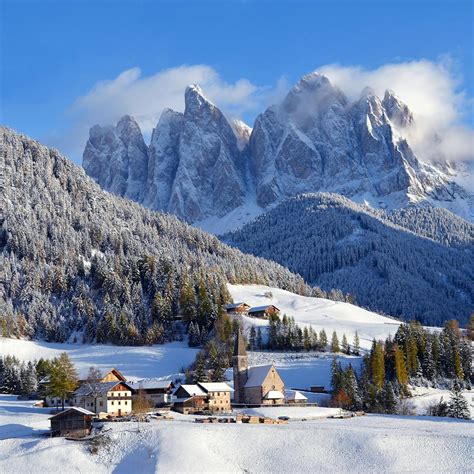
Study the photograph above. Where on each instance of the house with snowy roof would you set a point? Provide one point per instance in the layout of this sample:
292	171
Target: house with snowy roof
211	396
158	392
259	385
113	398
237	308
263	312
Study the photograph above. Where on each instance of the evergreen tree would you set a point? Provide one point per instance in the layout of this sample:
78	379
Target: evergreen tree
345	345
400	367
356	345
259	338
389	398
252	338
323	340
335	343
470	328
458	406
200	373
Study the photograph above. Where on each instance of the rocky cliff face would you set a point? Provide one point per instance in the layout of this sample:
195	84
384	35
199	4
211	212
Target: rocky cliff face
199	165
317	140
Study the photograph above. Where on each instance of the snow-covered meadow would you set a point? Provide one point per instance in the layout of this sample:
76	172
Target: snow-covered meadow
365	444
320	313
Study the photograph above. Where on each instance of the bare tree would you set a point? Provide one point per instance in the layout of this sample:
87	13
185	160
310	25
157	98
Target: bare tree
94	376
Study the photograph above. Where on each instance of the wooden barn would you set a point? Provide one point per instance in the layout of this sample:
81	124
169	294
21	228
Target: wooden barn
74	422
263	312
190	399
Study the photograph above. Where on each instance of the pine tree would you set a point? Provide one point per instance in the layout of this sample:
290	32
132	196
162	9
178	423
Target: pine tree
389	398
458	406
335	343
323	339
252	338
345	345
259	338
356	348
470	328
200	373
412	356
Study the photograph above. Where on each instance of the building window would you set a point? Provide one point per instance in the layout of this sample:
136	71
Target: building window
112	402
119	402
101	403
126	402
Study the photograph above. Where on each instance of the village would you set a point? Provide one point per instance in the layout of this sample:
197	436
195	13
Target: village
113	398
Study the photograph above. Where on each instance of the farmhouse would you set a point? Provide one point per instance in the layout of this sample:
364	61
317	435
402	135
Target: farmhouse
189	398
259	385
264	312
212	396
237	308
296	398
218	395
74	422
113	398
158	392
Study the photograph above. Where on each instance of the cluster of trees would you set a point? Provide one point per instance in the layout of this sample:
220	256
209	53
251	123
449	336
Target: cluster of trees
58	376
332	241
284	334
414	356
18	377
79	262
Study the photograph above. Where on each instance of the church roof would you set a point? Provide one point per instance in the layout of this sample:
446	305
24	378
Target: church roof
257	375
239	345
215	387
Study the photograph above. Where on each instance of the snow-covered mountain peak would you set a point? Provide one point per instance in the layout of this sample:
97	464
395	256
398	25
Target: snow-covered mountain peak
195	102
397	111
242	132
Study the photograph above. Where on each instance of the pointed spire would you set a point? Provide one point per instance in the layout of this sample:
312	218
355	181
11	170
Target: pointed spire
239	346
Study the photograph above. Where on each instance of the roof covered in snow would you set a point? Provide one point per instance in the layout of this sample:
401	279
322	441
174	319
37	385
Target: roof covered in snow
273	395
192	389
236	305
78	409
256	309
99	388
295	395
215	386
151	383
257	375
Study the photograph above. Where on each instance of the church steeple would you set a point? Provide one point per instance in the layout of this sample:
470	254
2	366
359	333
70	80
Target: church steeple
240	368
239	345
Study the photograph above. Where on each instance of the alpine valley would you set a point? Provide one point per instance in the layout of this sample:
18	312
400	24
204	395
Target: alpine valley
389	227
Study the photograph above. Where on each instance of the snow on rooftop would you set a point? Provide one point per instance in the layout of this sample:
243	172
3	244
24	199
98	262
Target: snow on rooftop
193	389
296	395
257	374
79	409
274	395
150	383
254	309
215	386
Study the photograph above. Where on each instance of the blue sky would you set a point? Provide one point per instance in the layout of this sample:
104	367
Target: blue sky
53	54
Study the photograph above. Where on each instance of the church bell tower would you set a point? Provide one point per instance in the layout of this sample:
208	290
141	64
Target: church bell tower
240	366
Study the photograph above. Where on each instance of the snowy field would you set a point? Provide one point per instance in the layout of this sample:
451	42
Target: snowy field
166	360
320	313
365	444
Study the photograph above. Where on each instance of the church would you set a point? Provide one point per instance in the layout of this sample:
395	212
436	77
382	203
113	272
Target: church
259	385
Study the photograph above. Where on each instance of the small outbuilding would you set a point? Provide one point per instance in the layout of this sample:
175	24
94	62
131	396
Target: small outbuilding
237	308
74	422
296	398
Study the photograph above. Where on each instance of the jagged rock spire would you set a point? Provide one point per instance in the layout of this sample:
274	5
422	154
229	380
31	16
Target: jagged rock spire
239	345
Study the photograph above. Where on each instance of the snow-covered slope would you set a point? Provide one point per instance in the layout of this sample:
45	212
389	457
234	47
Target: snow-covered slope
366	444
421	269
164	360
344	318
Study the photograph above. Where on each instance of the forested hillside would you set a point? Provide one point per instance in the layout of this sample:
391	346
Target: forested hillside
77	260
335	243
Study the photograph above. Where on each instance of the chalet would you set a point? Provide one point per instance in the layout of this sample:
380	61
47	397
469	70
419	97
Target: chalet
158	392
218	395
263	312
75	422
237	308
296	398
113	375
113	398
259	385
189	399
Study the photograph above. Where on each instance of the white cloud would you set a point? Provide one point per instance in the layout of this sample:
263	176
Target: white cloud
144	97
431	91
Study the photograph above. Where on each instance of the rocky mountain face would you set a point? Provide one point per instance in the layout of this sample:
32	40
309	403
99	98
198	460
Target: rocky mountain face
199	165
192	168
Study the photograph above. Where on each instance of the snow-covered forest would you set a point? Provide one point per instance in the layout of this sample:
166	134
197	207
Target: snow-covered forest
80	263
412	264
